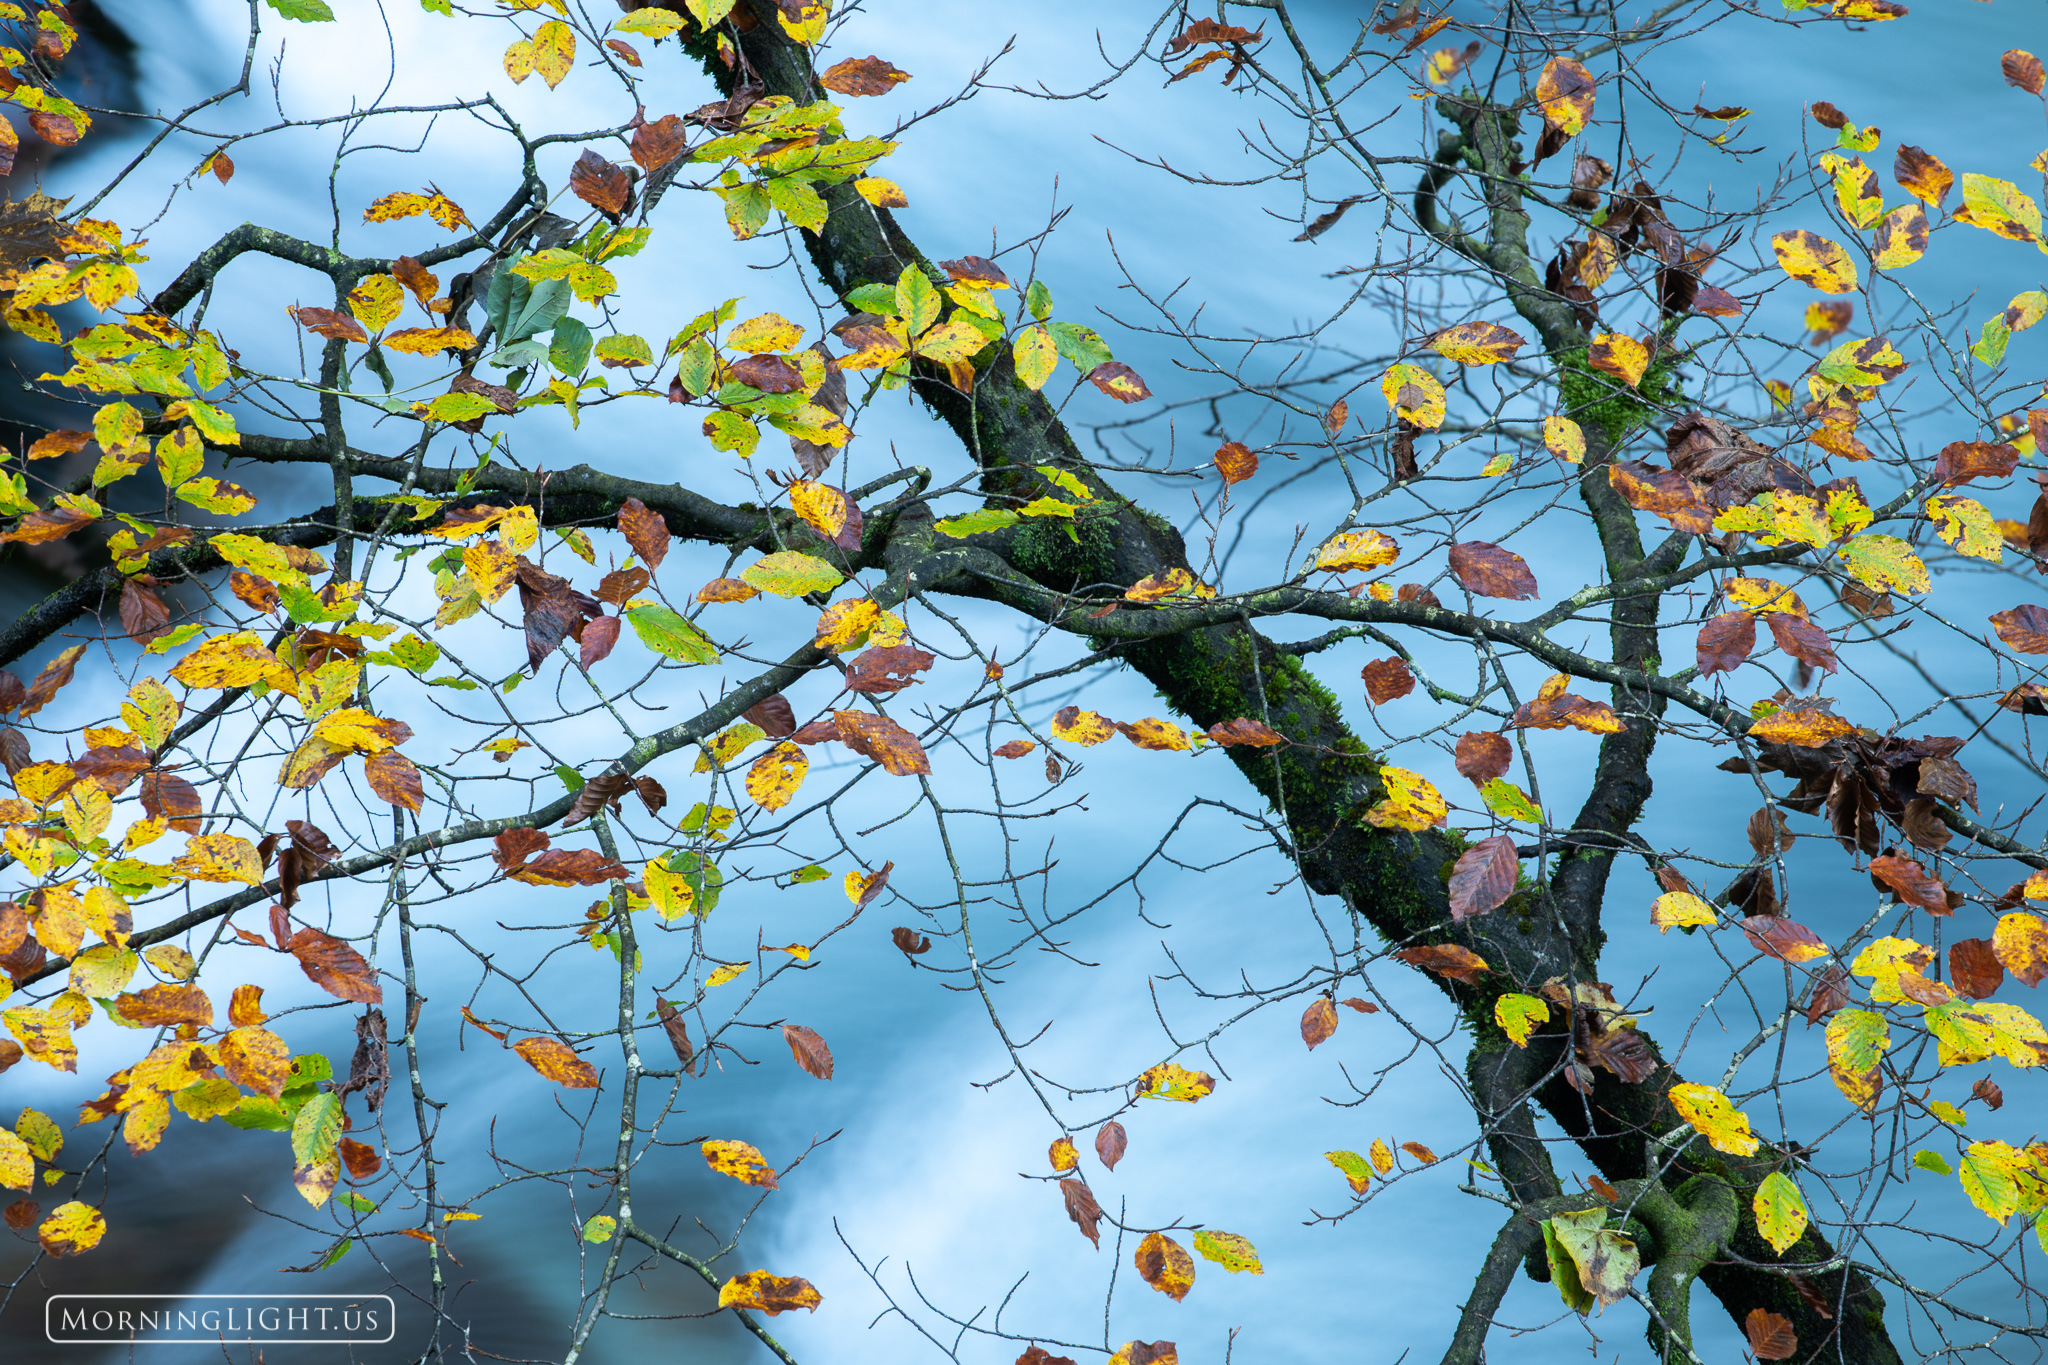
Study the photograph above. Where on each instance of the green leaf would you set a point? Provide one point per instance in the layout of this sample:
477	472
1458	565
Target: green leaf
799	202
1882	563
1604	1258
917	299
316	1130
976	523
571	779
1082	346
626	349
1990	1175
705	879
600	1228
340	1249
1039	300
1932	1161
813	873
460	407
1065	481
1508	801
790	573
256	1111
663	630
873	298
305	11
1564	1272
569	348
349	1199
746	208
731	431
1948	1113
179	635
432	7
710	13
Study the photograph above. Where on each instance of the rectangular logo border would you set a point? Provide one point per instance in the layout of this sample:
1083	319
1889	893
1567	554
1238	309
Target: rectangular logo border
391	1319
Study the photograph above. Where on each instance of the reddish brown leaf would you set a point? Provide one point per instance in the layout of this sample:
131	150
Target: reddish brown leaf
862	76
1082	1208
1110	1142
1987	1090
513	846
678	1036
335	326
335	967
1962	461
1974	969
1236	463
1829	992
1486	570
395	779
1318	1021
768	373
1119	381
1387	680
23	1213
1362	1006
2022	69
600	184
1947	779
1726	641
570	867
1911	882
1770	1335
909	940
599	636
359	1158
887	668
1664	492
424	284
166	1006
1483	755
1484	876
168	797
54	675
621	586
1802	639
2023	628
644	530
1778	937
774	716
1449	959
656	144
1923	826
603	790
557	1061
883	740
143	614
809	1050
1015	748
1245	730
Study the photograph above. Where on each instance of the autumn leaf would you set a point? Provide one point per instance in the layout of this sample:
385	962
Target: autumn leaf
555	1060
1446	959
1172	1081
761	1292
1483	877
1411	802
1813	259
741	1161
1770	1335
1165	1265
1318	1021
1486	570
809	1050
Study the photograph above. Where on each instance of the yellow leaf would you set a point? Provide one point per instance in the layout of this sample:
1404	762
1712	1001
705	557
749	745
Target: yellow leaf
1780	1211
236	660
1414	395
377	301
1725	1127
1357	550
769	332
671	892
1990	1174
1678	908
1565	439
844	625
1035	356
1382	1156
490	566
1621	356
1411	803
730	971
554	52
1084	728
1815	260
1172	1081
742	1161
1969	526
220	858
1518	1015
775	776
72	1229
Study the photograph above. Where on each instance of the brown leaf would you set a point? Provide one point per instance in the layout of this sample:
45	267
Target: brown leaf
54	675
768	373
656	144
395	779
1318	1021
22	1214
1726	641
1662	492
621	586
1448	959
2022	69
166	1006
883	740
1770	1335
1947	779
513	846
335	967
1483	755
1082	1208
1987	1090
1236	463
599	638
570	867
143	614
1974	969
887	668
603	790
1362	1006
1776	936
557	1061
645	531
1486	570
1165	1265
1767	832
332	325
862	76
259	593
600	184
1802	639
1923	826
1962	461
1911	882
1484	876
423	283
2023	628
1110	1142
1828	993
1119	381
1325	221
678	1036
774	716
1620	1051
978	271
1827	116
809	1050
910	941
1387	680
1015	748
1245	730
360	1159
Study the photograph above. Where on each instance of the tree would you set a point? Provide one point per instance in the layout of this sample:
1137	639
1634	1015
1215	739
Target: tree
1801	491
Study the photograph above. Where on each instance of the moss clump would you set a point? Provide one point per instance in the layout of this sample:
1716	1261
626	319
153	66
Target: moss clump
1595	399
1044	549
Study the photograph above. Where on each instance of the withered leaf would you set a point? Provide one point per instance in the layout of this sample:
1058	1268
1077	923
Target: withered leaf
1082	1208
809	1050
600	184
335	966
645	530
774	716
1974	969
1725	641
1110	1142
1318	1021
887	668
909	940
1387	680
1486	570
1483	755
678	1036
1484	876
